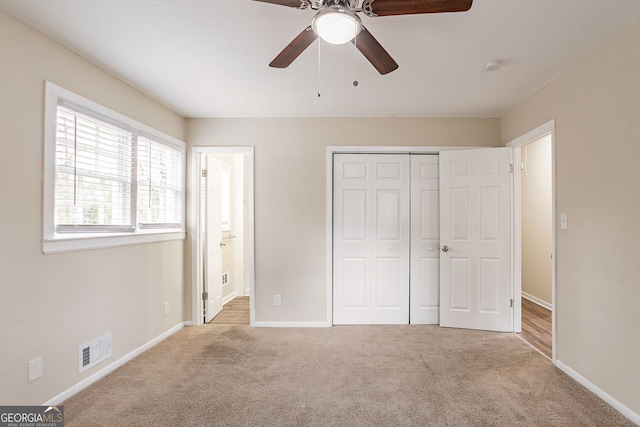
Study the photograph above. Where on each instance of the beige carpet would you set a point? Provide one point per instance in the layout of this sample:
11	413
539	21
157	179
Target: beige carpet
228	375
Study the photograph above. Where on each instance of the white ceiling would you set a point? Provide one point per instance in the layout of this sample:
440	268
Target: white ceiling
209	58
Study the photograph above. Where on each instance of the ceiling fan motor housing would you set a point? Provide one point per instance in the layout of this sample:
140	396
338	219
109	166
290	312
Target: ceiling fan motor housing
350	4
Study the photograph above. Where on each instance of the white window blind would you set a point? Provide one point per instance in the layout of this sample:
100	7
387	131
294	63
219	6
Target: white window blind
93	174
109	180
160	183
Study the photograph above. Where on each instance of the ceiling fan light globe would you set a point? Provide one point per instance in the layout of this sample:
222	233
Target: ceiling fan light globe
336	25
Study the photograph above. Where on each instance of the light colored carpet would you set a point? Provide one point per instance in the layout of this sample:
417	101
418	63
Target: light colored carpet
228	375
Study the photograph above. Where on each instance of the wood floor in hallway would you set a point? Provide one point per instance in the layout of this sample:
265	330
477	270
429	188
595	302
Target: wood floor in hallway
235	312
536	326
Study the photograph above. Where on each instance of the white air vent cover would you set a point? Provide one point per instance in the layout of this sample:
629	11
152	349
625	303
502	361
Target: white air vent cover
94	352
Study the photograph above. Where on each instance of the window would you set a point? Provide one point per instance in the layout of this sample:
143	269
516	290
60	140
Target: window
109	180
93	182
159	185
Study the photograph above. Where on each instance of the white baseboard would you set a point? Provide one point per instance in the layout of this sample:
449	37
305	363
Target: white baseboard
291	324
228	298
635	418
536	300
57	400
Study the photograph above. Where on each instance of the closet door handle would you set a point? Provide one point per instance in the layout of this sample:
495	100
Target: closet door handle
445	248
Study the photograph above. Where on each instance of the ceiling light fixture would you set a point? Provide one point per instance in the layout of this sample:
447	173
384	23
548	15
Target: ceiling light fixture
336	24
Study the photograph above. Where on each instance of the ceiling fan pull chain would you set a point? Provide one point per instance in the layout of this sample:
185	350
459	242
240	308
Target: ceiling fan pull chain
319	44
355	61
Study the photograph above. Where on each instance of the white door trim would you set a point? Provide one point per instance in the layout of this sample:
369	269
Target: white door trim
331	150
548	128
193	226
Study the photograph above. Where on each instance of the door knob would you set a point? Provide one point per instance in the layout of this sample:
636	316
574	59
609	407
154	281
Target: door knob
445	248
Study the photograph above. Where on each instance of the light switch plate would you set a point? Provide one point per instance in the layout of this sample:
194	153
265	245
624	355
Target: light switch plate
563	221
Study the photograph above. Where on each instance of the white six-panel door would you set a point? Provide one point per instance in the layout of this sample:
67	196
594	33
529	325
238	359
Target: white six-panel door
213	265
371	239
475	226
425	239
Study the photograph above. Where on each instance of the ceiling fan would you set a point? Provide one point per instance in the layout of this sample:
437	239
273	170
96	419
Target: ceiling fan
337	22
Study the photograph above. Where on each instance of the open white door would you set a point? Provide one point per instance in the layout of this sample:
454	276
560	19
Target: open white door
213	226
475	227
371	239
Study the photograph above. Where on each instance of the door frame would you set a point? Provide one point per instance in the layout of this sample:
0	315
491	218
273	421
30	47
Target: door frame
331	150
194	232
545	129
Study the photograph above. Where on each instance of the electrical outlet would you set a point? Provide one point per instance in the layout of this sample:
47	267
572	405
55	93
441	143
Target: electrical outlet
167	308
35	368
277	300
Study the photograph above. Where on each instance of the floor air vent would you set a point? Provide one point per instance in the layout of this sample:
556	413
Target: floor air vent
94	352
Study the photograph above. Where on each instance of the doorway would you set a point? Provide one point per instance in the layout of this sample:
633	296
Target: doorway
534	213
221	230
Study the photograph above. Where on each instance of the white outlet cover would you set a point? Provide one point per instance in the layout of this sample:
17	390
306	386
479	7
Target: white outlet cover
35	369
167	308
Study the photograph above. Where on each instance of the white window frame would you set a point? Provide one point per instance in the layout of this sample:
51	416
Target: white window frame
54	241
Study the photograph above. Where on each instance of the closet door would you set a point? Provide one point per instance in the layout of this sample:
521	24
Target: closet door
425	240
371	239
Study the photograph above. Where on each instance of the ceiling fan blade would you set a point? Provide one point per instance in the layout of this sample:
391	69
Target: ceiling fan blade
374	52
409	7
294	49
298	4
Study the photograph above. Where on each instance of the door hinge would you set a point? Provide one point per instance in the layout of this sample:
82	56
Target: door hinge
511	302
511	167
205	296
204	173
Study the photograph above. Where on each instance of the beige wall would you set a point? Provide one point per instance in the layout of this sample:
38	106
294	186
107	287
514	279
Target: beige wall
51	304
290	192
596	104
536	219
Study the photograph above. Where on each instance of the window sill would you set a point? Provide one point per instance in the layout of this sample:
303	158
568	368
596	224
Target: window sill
81	242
